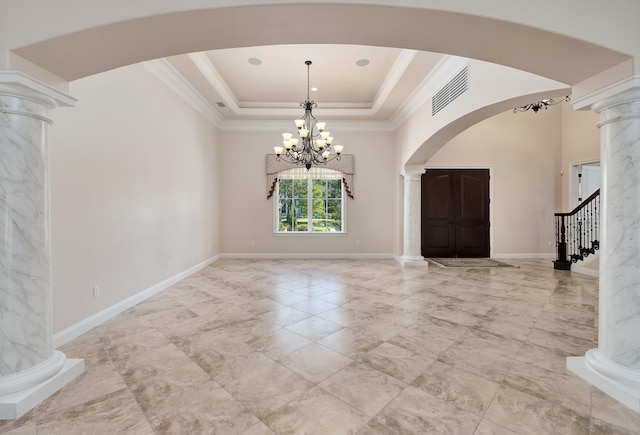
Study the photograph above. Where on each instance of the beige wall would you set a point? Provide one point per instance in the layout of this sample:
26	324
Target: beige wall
523	151
580	144
134	176
492	90
247	214
143	188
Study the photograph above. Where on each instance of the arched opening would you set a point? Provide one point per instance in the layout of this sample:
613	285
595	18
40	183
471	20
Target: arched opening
149	35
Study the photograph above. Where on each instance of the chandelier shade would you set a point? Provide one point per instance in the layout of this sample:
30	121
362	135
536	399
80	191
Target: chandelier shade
314	145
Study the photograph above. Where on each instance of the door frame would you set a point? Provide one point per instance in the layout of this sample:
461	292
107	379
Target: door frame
490	168
574	168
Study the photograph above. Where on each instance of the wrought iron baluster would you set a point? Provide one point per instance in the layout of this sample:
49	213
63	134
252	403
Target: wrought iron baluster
578	232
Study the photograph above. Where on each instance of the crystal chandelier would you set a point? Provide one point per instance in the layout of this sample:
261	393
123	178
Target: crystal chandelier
314	144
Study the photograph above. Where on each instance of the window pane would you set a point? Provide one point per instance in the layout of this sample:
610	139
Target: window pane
323	194
334	214
285	216
301	221
285	188
334	188
300	188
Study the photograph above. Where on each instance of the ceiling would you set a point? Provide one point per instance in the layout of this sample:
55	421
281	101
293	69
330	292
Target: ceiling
269	82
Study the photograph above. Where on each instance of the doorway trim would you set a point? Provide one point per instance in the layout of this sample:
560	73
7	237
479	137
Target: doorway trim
573	176
490	168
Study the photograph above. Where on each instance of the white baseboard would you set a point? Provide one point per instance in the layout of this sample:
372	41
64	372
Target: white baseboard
586	271
285	256
100	317
584	266
542	255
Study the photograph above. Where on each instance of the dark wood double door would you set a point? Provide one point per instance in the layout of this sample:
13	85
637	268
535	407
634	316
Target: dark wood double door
455	213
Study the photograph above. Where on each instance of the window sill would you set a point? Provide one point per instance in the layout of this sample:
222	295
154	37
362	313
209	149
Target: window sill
312	234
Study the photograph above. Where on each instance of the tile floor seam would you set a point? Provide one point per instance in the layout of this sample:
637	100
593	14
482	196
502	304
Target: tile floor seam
530	332
128	387
453	380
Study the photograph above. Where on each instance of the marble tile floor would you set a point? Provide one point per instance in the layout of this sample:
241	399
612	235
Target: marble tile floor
334	347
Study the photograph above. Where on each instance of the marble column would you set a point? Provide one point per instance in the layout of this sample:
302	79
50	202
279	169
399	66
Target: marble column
614	366
411	247
30	369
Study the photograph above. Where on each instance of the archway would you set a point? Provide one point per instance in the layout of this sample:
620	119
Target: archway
74	49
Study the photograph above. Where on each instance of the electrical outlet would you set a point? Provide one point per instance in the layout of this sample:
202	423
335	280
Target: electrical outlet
96	291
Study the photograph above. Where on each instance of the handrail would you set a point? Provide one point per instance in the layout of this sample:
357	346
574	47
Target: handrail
578	232
582	205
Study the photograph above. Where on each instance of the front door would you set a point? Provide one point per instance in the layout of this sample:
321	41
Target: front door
455	213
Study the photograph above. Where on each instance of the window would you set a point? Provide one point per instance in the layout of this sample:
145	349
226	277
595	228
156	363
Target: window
310	201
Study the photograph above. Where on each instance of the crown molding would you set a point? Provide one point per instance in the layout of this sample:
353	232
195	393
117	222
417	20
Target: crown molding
165	72
286	109
397	71
284	125
168	75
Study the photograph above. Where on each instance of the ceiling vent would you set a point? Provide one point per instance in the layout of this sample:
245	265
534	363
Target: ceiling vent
221	104
449	92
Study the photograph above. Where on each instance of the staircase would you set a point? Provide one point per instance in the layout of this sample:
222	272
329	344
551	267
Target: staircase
578	232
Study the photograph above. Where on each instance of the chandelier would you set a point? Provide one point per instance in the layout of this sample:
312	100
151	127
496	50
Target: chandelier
314	144
540	105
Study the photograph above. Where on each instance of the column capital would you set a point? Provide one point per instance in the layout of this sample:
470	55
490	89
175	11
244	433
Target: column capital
628	96
21	85
413	172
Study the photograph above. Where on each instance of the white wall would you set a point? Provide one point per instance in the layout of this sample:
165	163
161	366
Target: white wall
247	214
134	176
524	151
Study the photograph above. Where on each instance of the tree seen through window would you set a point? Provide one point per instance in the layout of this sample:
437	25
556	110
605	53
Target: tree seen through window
317	194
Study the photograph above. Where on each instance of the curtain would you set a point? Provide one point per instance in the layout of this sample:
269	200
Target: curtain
344	166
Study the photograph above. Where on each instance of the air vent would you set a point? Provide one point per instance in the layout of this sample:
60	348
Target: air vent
449	92
220	104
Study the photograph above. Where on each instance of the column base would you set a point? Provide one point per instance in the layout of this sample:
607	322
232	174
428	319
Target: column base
15	405
413	261
619	382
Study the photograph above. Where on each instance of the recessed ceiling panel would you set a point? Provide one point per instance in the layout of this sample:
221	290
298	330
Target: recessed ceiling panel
264	76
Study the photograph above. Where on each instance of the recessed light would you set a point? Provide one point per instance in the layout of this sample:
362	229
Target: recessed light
362	62
221	104
254	61
314	89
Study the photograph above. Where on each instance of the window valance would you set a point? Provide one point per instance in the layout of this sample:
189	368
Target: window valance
344	166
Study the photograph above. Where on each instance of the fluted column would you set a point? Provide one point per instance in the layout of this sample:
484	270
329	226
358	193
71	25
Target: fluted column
30	369
614	366
411	247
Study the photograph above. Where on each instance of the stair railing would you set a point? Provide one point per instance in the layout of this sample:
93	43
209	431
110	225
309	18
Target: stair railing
578	232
